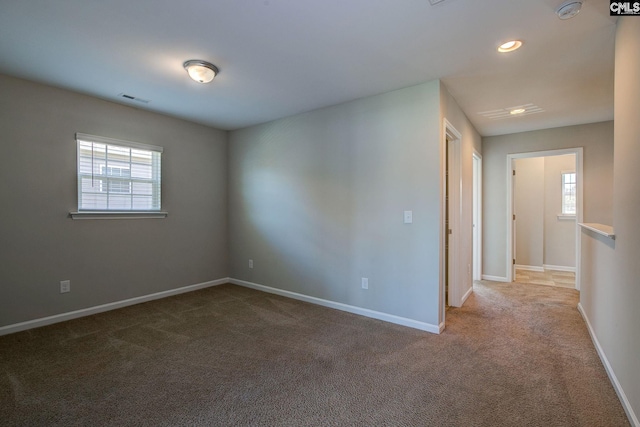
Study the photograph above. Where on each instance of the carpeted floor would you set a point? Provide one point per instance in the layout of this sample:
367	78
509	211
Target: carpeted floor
515	355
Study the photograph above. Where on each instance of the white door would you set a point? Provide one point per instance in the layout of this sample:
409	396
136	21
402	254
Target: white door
453	223
477	217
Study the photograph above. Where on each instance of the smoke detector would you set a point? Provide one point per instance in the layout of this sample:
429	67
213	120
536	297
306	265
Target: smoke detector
569	9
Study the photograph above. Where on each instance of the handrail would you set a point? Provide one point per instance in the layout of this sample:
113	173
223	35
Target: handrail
604	230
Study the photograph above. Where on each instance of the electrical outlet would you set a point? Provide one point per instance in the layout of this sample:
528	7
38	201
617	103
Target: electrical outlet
365	283
408	217
250	263
65	286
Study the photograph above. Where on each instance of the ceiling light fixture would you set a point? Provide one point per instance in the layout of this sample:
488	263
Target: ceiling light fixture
569	9
517	111
509	46
201	71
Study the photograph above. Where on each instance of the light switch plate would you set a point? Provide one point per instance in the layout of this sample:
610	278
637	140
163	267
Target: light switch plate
408	217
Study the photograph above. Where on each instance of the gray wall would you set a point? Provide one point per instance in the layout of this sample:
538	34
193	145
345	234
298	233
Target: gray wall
317	201
106	260
610	269
597	140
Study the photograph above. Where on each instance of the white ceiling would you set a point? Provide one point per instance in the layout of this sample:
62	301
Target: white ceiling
282	57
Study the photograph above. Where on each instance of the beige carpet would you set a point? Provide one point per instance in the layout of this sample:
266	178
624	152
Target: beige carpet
515	355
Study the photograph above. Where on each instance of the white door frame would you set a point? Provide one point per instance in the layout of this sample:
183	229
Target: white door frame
455	198
477	216
510	197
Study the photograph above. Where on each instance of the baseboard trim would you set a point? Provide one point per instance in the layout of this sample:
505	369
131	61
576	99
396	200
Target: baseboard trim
494	278
435	329
559	268
44	321
466	295
633	419
530	268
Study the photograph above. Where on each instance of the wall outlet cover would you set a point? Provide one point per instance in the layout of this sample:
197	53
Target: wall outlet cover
65	286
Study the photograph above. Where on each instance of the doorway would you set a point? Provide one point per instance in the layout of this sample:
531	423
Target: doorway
531	250
451	216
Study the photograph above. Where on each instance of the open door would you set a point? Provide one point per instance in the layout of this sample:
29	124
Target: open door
452	214
477	216
514	227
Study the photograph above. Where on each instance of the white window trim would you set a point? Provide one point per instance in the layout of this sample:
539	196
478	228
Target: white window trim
117	214
567	217
562	215
103	140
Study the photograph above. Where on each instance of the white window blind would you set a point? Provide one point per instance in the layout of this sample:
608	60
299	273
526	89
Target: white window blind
119	176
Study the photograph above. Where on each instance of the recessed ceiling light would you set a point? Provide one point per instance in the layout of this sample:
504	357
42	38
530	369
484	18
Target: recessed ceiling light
517	111
201	71
509	46
569	9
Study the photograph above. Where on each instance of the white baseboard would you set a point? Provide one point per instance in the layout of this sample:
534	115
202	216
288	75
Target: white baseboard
466	295
436	329
633	419
494	278
559	268
530	268
44	321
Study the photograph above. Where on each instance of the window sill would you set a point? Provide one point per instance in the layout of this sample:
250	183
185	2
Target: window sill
566	217
117	215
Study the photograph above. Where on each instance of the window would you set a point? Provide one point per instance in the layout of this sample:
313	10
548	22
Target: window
117	176
568	193
114	186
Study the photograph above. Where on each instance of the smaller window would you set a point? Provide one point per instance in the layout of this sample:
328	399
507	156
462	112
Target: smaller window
117	176
568	193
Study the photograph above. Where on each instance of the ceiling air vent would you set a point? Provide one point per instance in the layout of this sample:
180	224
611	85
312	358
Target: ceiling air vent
133	98
434	2
511	112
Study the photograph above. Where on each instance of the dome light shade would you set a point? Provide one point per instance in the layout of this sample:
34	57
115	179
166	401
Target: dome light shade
201	71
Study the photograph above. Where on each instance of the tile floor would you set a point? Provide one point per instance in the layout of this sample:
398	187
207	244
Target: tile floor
563	279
